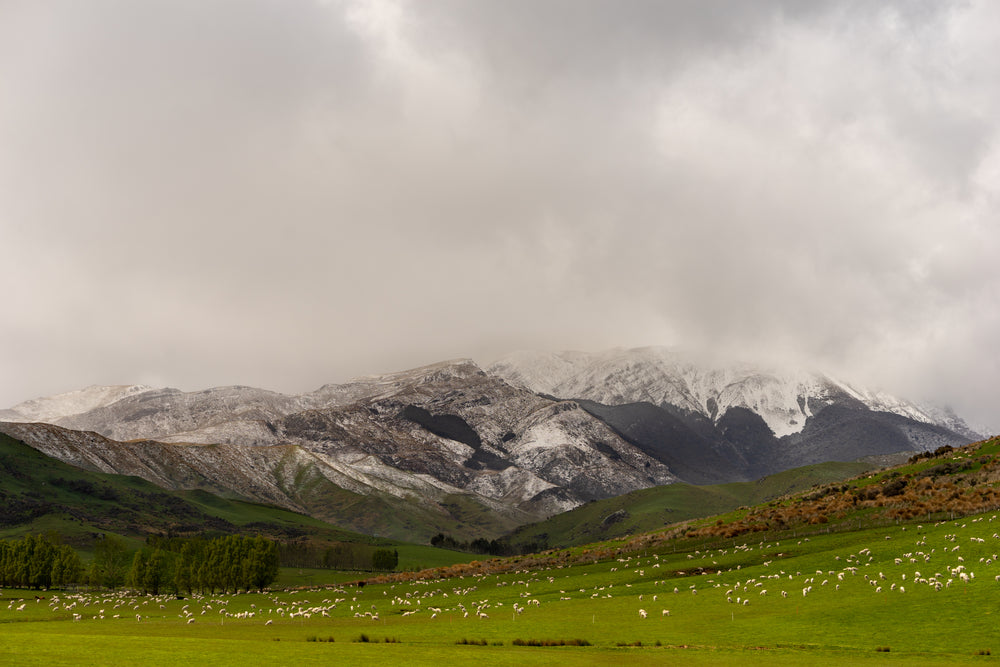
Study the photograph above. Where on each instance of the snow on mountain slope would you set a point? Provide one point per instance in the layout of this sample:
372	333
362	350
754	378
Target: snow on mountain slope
784	398
51	408
163	412
422	434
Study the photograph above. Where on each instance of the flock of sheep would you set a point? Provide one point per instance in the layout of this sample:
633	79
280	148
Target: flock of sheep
904	561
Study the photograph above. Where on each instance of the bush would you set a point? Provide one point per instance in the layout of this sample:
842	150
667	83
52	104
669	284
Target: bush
894	488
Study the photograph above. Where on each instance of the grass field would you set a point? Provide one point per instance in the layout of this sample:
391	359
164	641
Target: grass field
906	594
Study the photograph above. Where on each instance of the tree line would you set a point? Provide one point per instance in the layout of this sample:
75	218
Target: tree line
177	565
338	556
225	564
481	545
37	562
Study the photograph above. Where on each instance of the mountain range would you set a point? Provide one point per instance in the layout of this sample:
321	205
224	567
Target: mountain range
477	451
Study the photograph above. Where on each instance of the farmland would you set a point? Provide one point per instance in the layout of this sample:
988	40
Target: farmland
897	566
910	593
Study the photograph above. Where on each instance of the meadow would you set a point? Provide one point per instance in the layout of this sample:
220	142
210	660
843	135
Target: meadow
912	593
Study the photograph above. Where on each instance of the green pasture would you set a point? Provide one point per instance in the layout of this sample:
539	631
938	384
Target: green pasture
892	595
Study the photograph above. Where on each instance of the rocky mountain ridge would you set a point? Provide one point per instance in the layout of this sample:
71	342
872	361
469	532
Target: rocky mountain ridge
438	438
455	448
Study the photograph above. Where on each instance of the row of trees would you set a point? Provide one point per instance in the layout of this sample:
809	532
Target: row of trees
481	545
172	564
35	561
338	556
224	564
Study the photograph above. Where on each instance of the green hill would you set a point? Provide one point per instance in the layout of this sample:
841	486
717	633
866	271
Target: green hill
648	509
40	494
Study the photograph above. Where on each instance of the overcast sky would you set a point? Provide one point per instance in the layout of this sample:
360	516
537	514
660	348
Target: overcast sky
289	193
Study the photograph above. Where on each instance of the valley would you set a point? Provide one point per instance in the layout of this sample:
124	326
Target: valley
863	588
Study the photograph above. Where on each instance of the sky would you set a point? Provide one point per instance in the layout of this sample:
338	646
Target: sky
286	193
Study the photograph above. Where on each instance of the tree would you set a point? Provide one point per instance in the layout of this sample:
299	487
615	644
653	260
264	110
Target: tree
137	574
41	555
385	559
263	563
66	567
110	562
184	574
155	574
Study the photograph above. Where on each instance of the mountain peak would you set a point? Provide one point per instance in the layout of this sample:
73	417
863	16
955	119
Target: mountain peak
783	397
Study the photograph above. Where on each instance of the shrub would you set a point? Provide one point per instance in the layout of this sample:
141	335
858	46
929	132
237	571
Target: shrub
550	642
894	488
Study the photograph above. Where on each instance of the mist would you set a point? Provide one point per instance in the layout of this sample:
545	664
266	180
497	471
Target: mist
283	195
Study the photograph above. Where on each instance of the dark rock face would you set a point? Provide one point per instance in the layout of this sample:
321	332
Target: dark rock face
451	427
741	447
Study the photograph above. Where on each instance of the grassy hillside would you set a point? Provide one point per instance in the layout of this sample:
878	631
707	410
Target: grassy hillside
40	494
648	509
920	589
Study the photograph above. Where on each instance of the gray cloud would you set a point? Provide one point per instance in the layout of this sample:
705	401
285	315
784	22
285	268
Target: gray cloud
287	194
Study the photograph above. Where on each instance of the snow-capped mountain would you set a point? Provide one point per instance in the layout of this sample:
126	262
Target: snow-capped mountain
442	440
453	447
783	398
